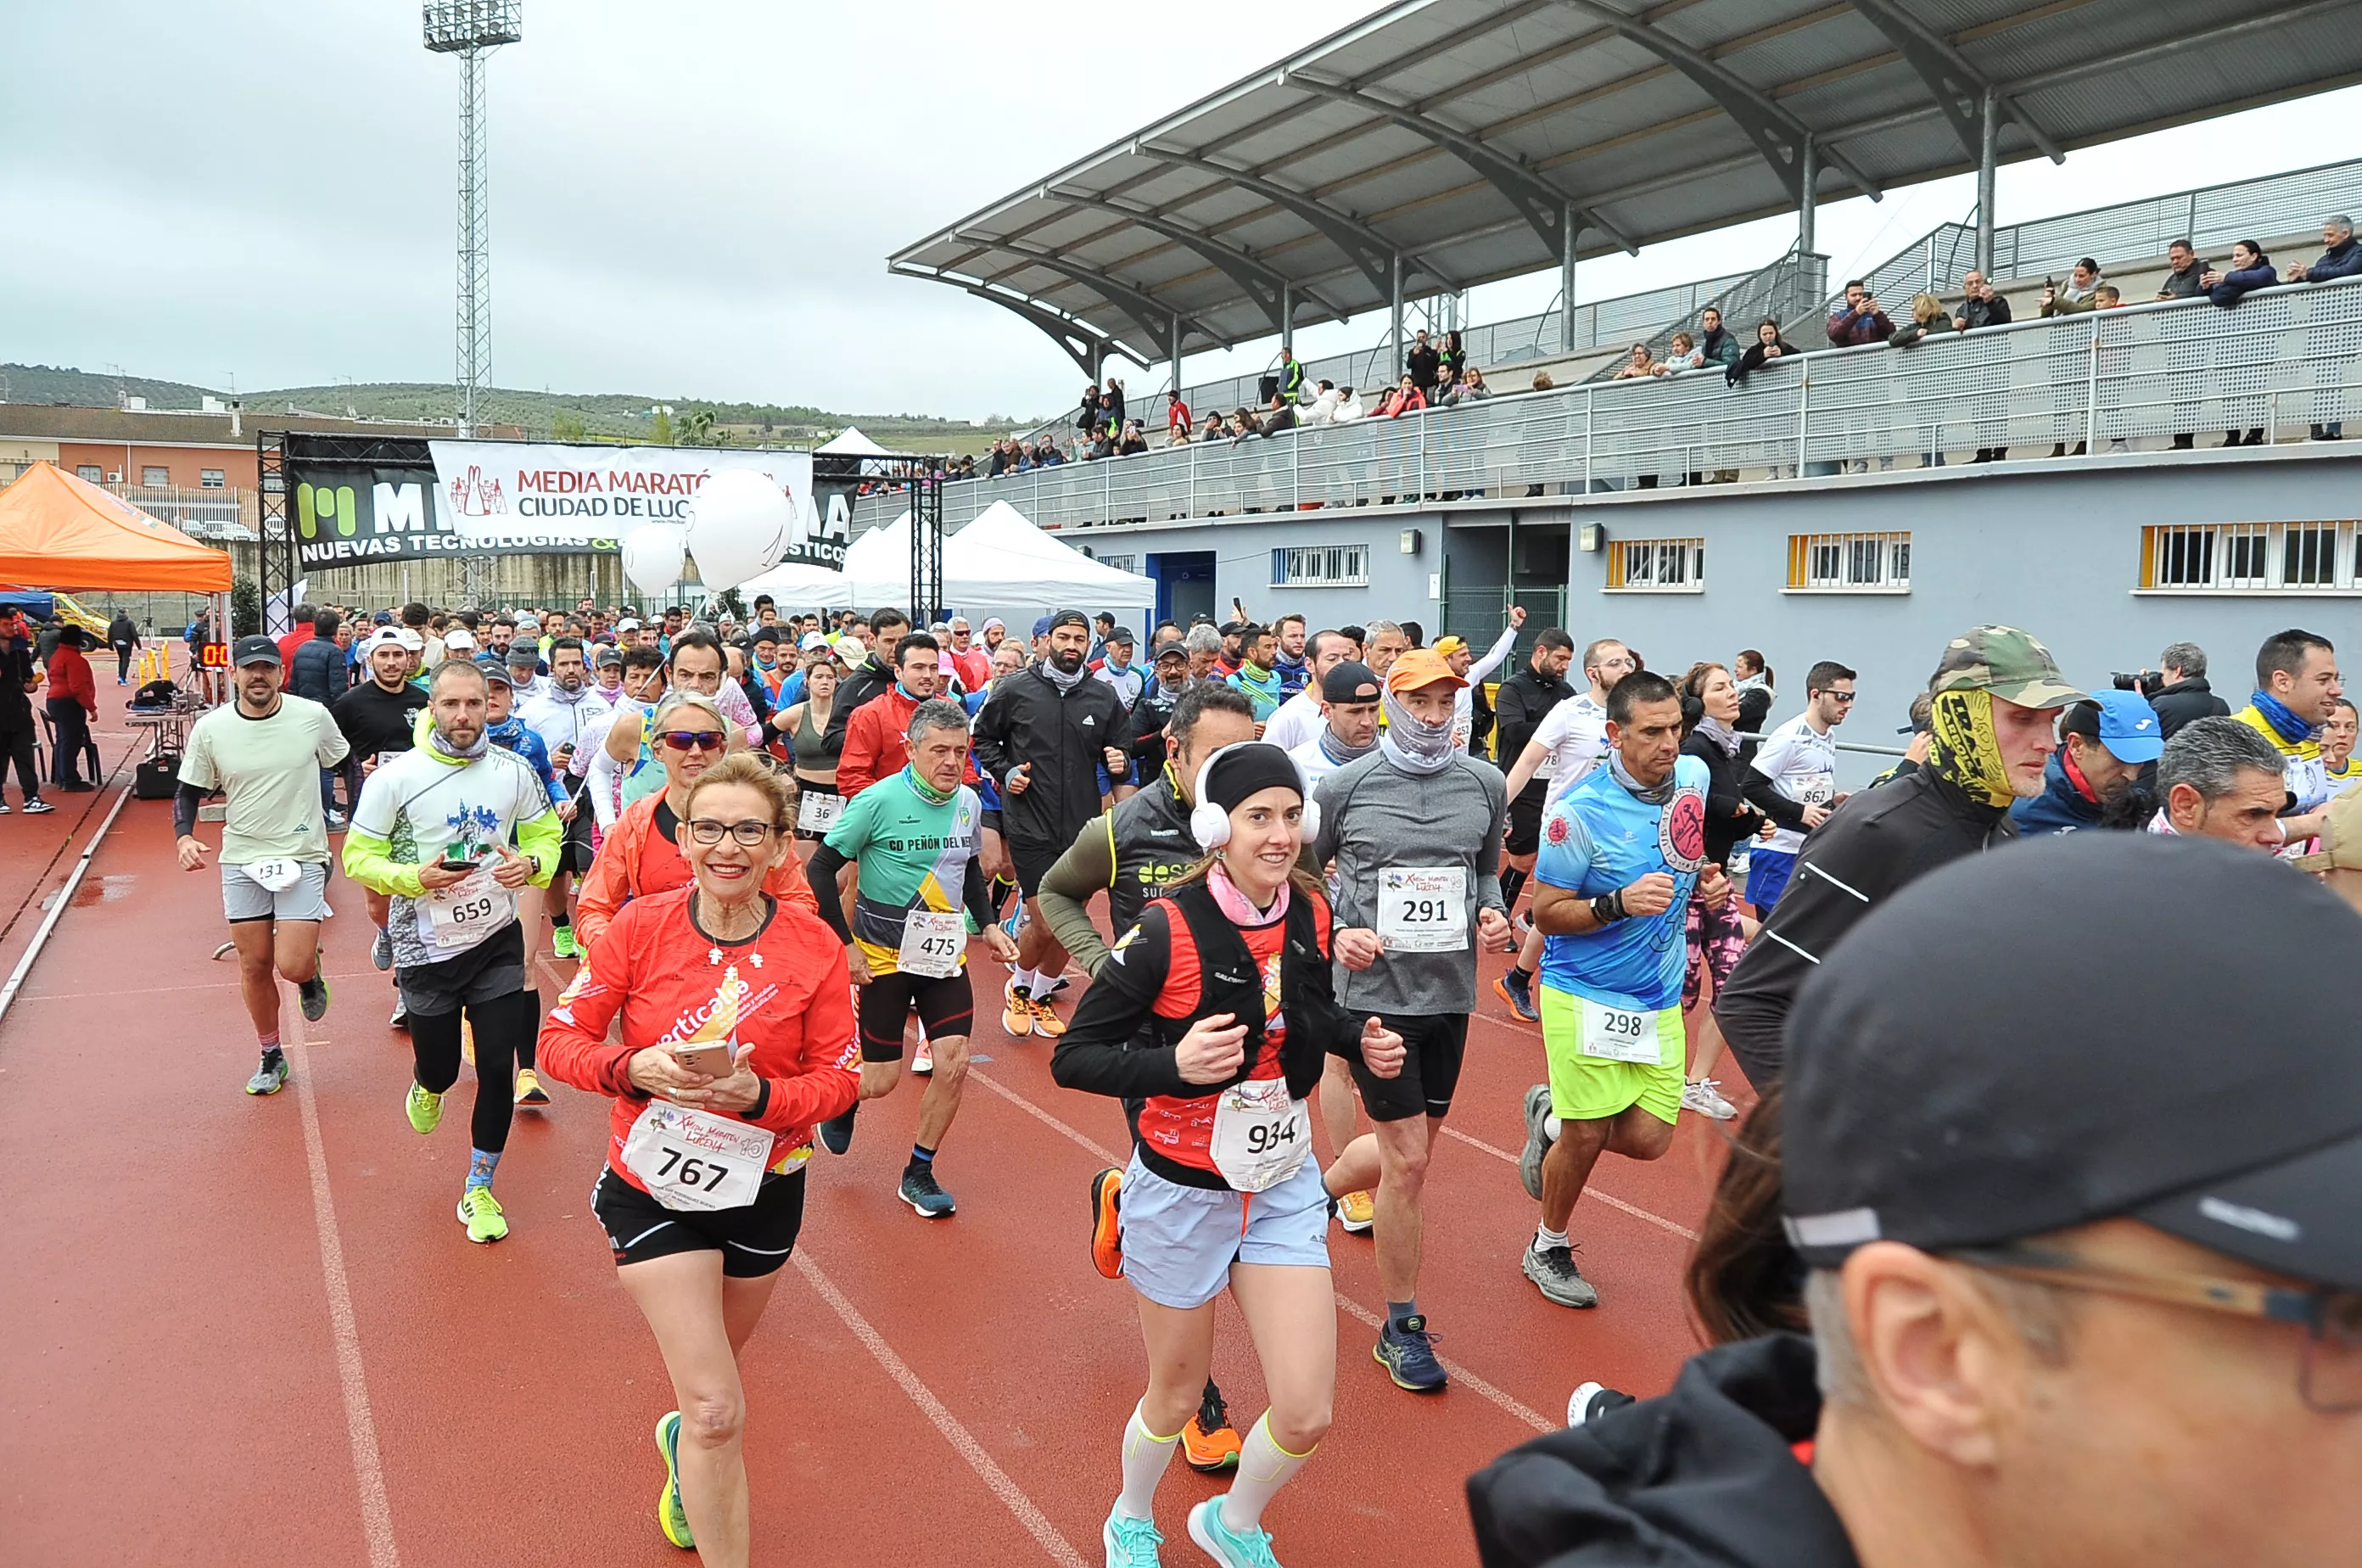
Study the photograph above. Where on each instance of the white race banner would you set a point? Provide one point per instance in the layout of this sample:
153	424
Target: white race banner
495	488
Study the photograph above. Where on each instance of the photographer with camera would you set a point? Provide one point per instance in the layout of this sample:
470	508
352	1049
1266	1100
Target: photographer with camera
2177	689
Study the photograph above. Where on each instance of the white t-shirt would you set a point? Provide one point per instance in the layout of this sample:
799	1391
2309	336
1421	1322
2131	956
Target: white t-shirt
1801	762
1296	722
271	770
560	723
423	805
1574	734
1463	702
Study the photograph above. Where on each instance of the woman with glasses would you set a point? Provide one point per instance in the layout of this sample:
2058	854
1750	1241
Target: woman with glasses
643	852
735	1040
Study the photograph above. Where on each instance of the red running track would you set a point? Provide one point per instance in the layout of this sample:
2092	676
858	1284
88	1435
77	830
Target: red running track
247	1330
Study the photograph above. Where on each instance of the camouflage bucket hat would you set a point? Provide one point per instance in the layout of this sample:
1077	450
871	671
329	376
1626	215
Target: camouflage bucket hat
2011	664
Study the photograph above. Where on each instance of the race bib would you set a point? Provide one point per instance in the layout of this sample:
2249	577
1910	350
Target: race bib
274	876
463	914
818	812
1621	1034
1818	790
1423	908
1261	1135
932	941
694	1159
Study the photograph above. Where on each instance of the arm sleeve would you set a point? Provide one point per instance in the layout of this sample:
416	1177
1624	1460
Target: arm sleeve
1488	854
821	871
1086	867
1097	1054
185	801
975	894
1482	670
540	839
1765	797
369	860
574	1048
603	890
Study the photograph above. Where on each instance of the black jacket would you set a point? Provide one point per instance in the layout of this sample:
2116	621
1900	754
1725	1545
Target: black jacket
319	671
2184	285
2183	700
1754	709
1984	313
1705	1476
1755	359
1519	707
122	629
16	702
864	680
1028	720
1877	843
1729	817
1144	730
1424	365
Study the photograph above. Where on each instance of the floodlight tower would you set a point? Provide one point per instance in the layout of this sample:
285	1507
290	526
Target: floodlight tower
472	29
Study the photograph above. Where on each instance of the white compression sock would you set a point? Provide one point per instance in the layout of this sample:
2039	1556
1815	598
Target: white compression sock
1552	1127
1029	982
1145	1456
1264	1468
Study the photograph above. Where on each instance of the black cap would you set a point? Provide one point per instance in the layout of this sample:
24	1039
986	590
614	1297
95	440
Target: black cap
1067	618
254	649
1120	634
1350	681
1171	650
2003	1052
1232	628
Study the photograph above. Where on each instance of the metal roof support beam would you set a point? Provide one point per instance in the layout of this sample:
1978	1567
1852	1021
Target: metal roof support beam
1259	283
1808	188
1566	288
1159	321
1778	135
1959	88
1369	250
1077	342
1988	156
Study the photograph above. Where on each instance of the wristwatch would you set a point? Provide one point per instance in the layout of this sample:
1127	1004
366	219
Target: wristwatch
1609	908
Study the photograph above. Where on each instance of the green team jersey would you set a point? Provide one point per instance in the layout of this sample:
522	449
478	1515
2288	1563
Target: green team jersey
911	854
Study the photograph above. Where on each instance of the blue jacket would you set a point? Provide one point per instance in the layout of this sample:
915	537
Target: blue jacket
2341	261
513	734
2237	286
319	671
2060	808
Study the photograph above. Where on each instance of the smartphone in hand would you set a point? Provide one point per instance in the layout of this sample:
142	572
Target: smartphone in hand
713	1059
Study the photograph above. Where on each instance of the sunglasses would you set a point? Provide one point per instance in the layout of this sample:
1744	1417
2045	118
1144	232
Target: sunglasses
1841	696
695	740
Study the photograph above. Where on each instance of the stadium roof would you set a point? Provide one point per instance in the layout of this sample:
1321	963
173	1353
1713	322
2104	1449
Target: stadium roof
1458	134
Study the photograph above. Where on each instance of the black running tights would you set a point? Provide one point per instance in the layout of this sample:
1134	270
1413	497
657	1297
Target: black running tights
501	1026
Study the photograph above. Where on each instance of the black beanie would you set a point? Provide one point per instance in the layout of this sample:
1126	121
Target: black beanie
1242	772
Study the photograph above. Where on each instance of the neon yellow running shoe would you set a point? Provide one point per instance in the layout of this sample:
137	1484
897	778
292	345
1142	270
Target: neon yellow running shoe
481	1212
425	1110
672	1514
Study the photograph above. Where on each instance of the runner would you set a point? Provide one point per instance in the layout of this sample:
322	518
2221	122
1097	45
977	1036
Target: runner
264	753
1255	675
1794	780
1523	700
720	971
1298	722
912	840
1350	698
1476	672
567	712
1414	831
697	665
1621	852
802	727
1567	745
1211	1027
876	739
433	828
605	774
1168	677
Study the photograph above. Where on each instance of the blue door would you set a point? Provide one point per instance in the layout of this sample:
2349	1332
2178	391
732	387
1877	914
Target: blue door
1185	584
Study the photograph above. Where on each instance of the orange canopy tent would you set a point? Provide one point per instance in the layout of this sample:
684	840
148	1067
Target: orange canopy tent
58	531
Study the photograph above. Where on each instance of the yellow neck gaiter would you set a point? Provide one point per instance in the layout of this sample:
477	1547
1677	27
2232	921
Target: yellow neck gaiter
1965	750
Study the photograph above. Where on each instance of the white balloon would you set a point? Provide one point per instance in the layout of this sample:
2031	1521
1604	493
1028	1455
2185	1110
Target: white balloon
739	528
652	557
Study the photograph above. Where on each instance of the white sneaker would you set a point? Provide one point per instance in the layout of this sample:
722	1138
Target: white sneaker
1706	1097
922	1060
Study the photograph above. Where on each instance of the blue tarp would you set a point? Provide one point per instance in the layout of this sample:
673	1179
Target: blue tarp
32	602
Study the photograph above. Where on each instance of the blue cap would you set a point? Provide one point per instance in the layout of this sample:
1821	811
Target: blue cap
1042	627
2128	726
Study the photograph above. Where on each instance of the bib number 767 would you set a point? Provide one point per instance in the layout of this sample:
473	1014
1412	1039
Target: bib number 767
680	1166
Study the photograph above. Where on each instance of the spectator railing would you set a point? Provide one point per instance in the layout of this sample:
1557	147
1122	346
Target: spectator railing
2286	358
1777	293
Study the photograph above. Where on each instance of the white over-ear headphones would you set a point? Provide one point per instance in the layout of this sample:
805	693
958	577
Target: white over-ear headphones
1211	824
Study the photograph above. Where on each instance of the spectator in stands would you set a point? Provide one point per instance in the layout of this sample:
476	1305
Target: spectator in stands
1423	365
1637	366
2341	258
2183	281
1087	417
1046	455
2250	270
2076	297
1861	321
1133	442
1278	418
1291	375
2107	296
1323	409
1452	357
1407	397
1685	355
1716	346
1980	306
1767	347
1543	380
1927	316
1241	426
1349	407
1177	416
1212	430
1468	388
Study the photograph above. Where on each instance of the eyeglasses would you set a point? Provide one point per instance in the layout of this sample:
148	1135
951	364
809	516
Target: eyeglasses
749	834
695	740
2329	1370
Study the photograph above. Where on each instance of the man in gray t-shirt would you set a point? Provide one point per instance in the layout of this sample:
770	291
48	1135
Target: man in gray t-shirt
1413	832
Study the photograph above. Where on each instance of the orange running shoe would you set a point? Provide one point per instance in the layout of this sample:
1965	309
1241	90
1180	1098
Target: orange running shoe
1210	1443
1107	1227
1016	1014
1046	1021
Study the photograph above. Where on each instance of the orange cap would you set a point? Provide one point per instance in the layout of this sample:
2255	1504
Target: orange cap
1420	666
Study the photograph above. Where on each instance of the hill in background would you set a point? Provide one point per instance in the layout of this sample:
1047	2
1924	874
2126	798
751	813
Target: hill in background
597	417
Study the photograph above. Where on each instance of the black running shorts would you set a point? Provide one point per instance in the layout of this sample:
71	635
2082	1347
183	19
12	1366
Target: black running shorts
754	1241
946	1006
1434	1044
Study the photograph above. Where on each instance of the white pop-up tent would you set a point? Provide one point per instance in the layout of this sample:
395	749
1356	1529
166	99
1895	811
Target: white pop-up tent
851	443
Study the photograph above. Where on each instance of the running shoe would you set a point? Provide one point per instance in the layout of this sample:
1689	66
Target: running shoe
1519	995
563	942
36	808
481	1212
1046	1021
836	1132
400	1019
1592	1400
922	1061
336	822
1016	1014
1357	1212
1107	1222
381	949
1538	1139
1060	984
672	1514
425	1110
1705	1097
921	1192
1407	1354
1210	1443
314	994
3	808
1554	1275
270	1076
529	1091
1131	1543
1230	1548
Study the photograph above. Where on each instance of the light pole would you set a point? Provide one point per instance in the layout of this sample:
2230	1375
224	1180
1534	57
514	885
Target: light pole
472	29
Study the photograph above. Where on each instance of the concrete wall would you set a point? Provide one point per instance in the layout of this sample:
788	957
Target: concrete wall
1242	545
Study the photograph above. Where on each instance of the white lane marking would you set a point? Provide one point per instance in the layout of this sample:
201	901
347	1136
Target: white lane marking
1035	1111
1036	1523
369	1473
1634	1210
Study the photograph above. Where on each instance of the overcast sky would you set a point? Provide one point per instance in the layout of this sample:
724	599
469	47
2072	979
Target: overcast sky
697	200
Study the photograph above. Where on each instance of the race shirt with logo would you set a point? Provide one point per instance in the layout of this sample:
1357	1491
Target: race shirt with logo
914	855
1600	836
1182	1129
420	807
1801	763
1574	735
1150	845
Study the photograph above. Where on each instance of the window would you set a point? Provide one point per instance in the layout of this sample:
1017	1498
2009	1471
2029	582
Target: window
1848	563
2252	557
155	477
1656	566
212	479
1321	566
92	472
1120	563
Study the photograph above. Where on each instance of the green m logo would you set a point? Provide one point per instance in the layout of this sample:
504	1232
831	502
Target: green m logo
317	506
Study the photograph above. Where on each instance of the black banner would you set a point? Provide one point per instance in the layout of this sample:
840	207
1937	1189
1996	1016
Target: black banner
354	514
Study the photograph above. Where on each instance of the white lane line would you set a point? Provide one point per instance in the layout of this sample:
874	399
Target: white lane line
1036	1523
368	1474
1634	1210
1370	1320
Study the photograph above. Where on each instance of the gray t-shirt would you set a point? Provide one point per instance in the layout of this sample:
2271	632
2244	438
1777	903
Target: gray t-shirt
269	769
1375	818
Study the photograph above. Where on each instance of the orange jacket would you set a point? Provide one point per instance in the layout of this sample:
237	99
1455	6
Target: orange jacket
614	876
874	747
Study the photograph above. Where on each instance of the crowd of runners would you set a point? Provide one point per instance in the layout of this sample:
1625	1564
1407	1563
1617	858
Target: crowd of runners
792	845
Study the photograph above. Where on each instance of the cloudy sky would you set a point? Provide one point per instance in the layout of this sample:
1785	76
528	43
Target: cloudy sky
696	200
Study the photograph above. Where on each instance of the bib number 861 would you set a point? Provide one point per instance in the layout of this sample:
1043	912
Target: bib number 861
679	1165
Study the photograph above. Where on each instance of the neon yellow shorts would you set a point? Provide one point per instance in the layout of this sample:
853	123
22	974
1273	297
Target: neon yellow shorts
1592	1088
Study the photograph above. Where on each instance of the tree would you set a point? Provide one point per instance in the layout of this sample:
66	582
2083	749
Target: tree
565	424
662	434
696	427
245	607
